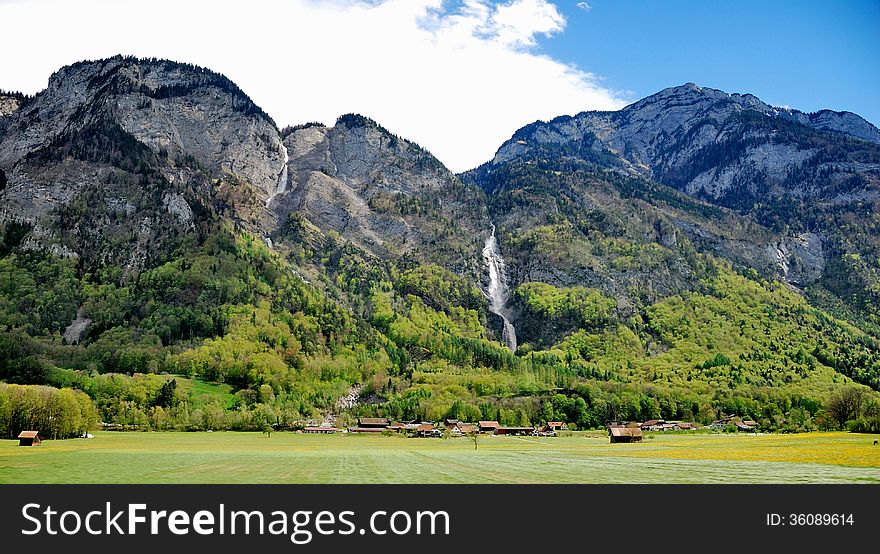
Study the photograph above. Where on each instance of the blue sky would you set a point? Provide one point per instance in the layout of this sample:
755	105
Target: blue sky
461	76
805	54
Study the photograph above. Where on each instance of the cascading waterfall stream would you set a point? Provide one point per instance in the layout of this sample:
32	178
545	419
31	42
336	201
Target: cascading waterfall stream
281	184
497	291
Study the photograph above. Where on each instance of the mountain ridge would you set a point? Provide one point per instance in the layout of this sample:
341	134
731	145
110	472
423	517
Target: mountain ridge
783	169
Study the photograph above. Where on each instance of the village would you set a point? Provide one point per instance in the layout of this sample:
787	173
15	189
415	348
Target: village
427	429
618	432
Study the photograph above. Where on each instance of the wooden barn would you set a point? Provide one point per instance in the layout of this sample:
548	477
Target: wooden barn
514	430
745	426
625	434
372	422
320	430
29	438
489	426
466	429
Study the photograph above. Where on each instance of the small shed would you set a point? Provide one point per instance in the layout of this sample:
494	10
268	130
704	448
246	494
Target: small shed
29	438
625	434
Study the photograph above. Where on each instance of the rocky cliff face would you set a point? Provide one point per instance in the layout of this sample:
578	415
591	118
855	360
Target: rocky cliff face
133	144
138	143
177	109
383	193
8	104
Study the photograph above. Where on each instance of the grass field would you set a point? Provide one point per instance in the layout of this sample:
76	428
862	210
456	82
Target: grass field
199	388
113	457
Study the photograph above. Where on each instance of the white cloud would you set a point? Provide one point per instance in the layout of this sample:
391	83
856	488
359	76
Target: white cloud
584	6
457	79
517	23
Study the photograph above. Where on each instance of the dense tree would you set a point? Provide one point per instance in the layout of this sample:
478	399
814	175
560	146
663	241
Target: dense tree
846	405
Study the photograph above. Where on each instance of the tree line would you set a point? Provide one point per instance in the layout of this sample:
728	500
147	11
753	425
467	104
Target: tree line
55	413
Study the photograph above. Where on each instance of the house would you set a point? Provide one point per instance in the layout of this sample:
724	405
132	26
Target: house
625	434
514	430
29	438
684	426
465	429
726	420
545	431
653	425
411	428
428	430
489	426
372	422
744	426
556	426
320	430
451	422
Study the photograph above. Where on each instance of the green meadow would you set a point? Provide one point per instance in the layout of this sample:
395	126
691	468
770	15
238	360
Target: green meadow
231	457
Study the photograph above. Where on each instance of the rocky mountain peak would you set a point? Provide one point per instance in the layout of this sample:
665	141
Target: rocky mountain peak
174	108
690	94
696	138
150	76
137	142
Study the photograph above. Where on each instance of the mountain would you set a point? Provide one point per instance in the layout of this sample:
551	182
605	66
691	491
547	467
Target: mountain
811	180
692	254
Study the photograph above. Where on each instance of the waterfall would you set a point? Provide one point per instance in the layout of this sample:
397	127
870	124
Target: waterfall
281	184
498	292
